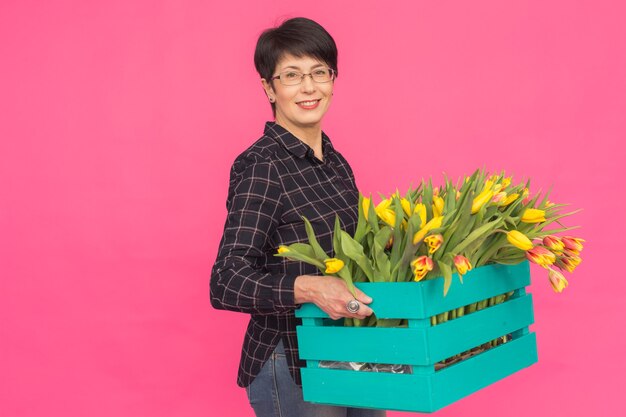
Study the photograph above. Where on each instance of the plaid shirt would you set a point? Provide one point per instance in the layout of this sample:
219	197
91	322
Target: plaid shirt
272	184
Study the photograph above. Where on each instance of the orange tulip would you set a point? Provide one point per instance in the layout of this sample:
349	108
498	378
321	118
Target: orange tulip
462	264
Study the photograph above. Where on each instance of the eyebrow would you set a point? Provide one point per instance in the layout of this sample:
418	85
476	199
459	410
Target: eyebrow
295	67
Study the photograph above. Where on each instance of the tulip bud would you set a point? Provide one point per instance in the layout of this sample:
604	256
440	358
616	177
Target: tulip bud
481	199
333	265
421	266
406	206
525	196
434	223
519	240
437	206
499	198
366	205
510	198
434	242
541	256
554	243
569	263
420	209
506	182
532	215
385	213
557	280
283	249
462	264
572	243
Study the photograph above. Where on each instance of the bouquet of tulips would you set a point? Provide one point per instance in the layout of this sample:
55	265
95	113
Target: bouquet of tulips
433	232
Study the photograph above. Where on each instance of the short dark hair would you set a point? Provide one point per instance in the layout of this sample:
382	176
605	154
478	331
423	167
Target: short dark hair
299	37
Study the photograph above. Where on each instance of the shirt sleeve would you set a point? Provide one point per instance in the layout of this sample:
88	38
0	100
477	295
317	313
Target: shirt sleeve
239	280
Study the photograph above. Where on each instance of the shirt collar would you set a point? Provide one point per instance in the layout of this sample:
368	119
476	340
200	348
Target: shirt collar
292	143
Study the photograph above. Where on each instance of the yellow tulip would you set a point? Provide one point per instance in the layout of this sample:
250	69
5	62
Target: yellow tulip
406	206
283	249
557	280
462	264
420	209
519	240
532	215
333	265
366	205
481	199
383	205
434	223
385	213
510	198
506	182
434	242
388	216
488	185
437	206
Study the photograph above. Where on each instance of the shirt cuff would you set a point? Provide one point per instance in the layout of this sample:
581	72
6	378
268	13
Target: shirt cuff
284	293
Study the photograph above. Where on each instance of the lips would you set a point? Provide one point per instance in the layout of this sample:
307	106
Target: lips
309	105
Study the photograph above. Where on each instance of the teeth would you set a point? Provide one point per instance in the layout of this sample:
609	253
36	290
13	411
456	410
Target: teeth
308	103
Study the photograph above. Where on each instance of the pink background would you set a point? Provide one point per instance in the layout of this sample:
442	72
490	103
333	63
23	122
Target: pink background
119	122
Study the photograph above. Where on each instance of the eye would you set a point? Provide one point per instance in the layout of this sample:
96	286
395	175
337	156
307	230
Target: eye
321	72
291	75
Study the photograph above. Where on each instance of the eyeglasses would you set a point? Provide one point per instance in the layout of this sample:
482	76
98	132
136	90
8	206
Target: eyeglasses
292	77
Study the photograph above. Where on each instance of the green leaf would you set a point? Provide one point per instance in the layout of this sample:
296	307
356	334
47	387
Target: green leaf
382	272
476	234
296	256
354	251
319	252
446	271
372	217
337	237
344	274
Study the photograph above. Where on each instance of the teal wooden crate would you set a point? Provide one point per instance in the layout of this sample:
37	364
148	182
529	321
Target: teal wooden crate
420	344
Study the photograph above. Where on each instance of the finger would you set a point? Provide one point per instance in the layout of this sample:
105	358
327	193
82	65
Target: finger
362	297
365	310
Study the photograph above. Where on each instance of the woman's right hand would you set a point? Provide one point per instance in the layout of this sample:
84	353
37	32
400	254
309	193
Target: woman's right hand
330	294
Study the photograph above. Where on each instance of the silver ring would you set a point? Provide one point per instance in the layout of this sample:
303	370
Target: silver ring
353	306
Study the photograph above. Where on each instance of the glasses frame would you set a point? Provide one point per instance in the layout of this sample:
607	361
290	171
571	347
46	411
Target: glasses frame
332	77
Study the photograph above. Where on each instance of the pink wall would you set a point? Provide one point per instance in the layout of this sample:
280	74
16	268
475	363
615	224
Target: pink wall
118	125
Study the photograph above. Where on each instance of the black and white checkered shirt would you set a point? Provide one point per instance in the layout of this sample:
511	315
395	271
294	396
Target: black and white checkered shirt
273	183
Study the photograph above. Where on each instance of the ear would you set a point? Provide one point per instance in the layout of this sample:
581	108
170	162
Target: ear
267	87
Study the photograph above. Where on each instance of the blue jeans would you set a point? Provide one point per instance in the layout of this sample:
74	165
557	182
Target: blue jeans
273	393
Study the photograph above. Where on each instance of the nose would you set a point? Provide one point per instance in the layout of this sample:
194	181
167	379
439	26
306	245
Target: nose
307	83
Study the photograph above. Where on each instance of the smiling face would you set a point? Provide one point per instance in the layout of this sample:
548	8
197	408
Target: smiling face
291	113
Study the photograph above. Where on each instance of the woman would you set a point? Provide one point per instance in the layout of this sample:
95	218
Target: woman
292	171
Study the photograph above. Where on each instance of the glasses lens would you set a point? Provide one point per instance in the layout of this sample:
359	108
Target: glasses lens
320	75
290	77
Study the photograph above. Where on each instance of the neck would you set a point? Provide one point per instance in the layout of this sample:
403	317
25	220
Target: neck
311	135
